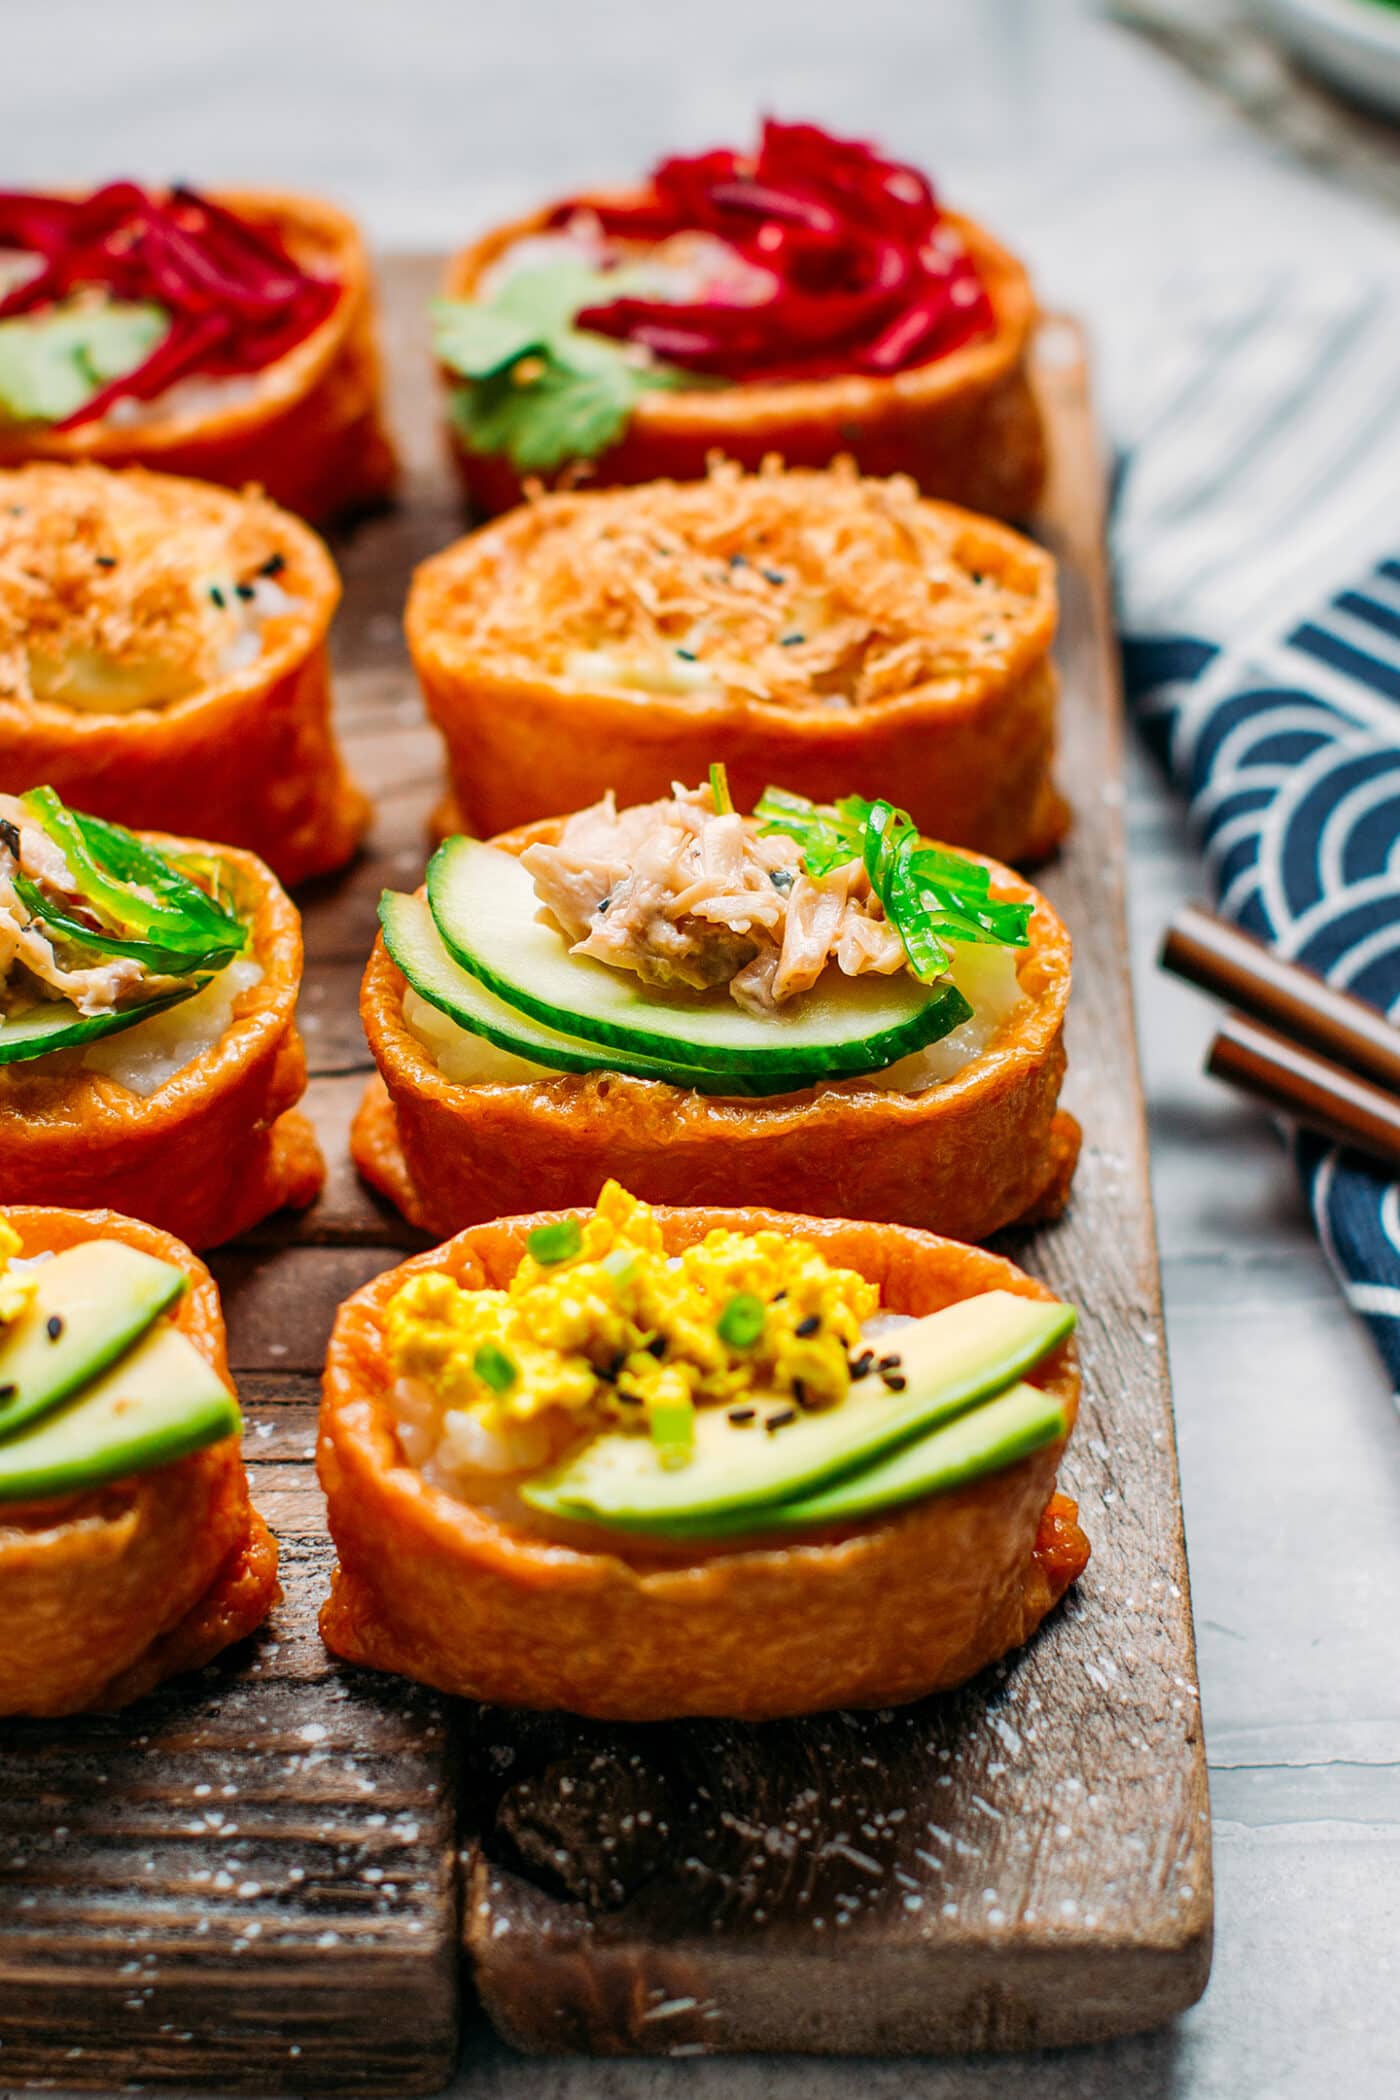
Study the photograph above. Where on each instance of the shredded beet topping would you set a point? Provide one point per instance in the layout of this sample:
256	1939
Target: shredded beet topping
236	299
866	276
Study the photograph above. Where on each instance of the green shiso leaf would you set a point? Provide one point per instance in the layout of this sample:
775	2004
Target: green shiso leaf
932	899
538	389
51	363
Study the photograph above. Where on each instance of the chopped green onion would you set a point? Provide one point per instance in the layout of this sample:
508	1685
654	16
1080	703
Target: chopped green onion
555	1242
719	790
494	1368
931	898
618	1265
672	1426
741	1322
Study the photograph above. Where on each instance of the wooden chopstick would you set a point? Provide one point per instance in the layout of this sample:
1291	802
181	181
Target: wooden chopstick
1300	1046
1296	1081
1300	1005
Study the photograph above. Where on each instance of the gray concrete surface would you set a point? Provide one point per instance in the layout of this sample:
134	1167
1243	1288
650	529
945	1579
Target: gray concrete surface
1111	172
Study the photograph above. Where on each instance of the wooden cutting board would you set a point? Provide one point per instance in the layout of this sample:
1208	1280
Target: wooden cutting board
265	1879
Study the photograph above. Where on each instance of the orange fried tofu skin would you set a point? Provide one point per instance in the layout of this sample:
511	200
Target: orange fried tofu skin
308	429
843	635
966	426
886	1610
215	1149
108	574
107	1593
980	1150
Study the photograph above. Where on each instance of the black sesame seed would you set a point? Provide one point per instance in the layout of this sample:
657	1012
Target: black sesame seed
778	1297
799	1392
792	641
888	1363
740	1415
780	1420
10	834
217	595
738	561
687	654
630	1399
895	1380
774	576
244	590
614	1369
274	565
602	905
862	1365
808	1326
106	561
656	1346
782	878
53	1326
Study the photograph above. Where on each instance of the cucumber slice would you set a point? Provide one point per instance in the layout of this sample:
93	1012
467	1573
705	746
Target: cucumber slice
417	948
485	906
57	1025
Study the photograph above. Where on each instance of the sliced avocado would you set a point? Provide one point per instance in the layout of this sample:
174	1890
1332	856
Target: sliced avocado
90	1303
948	1361
989	1437
161	1402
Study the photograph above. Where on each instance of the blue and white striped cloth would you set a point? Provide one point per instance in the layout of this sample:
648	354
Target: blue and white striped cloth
1257	547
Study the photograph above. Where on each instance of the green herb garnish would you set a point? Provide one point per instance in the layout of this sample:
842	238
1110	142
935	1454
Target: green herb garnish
558	1241
538	389
494	1368
931	898
741	1322
148	906
719	791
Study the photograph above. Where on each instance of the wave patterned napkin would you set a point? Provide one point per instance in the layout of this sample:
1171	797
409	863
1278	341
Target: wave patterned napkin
1257	549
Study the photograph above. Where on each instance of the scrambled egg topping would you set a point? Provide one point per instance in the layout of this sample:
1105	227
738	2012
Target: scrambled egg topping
16	1290
599	1326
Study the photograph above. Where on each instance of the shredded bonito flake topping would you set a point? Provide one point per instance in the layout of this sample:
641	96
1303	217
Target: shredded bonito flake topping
123	590
794	588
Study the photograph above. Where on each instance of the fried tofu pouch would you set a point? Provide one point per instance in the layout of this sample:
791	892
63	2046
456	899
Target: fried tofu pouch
107	1593
886	1610
966	427
221	1144
983	1149
939	625
308	429
247	754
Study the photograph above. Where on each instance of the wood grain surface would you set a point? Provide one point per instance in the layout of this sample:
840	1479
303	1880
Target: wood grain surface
249	1882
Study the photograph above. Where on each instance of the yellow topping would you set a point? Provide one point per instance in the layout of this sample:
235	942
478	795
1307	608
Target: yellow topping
15	1290
618	1331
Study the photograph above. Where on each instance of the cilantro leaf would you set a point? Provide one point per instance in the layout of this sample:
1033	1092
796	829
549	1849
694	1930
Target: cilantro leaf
538	389
53	362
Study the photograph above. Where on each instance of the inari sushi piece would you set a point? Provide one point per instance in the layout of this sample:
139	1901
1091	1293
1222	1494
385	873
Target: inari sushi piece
806	299
726	1461
232	338
163	662
837	634
149	1054
810	1005
129	1551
